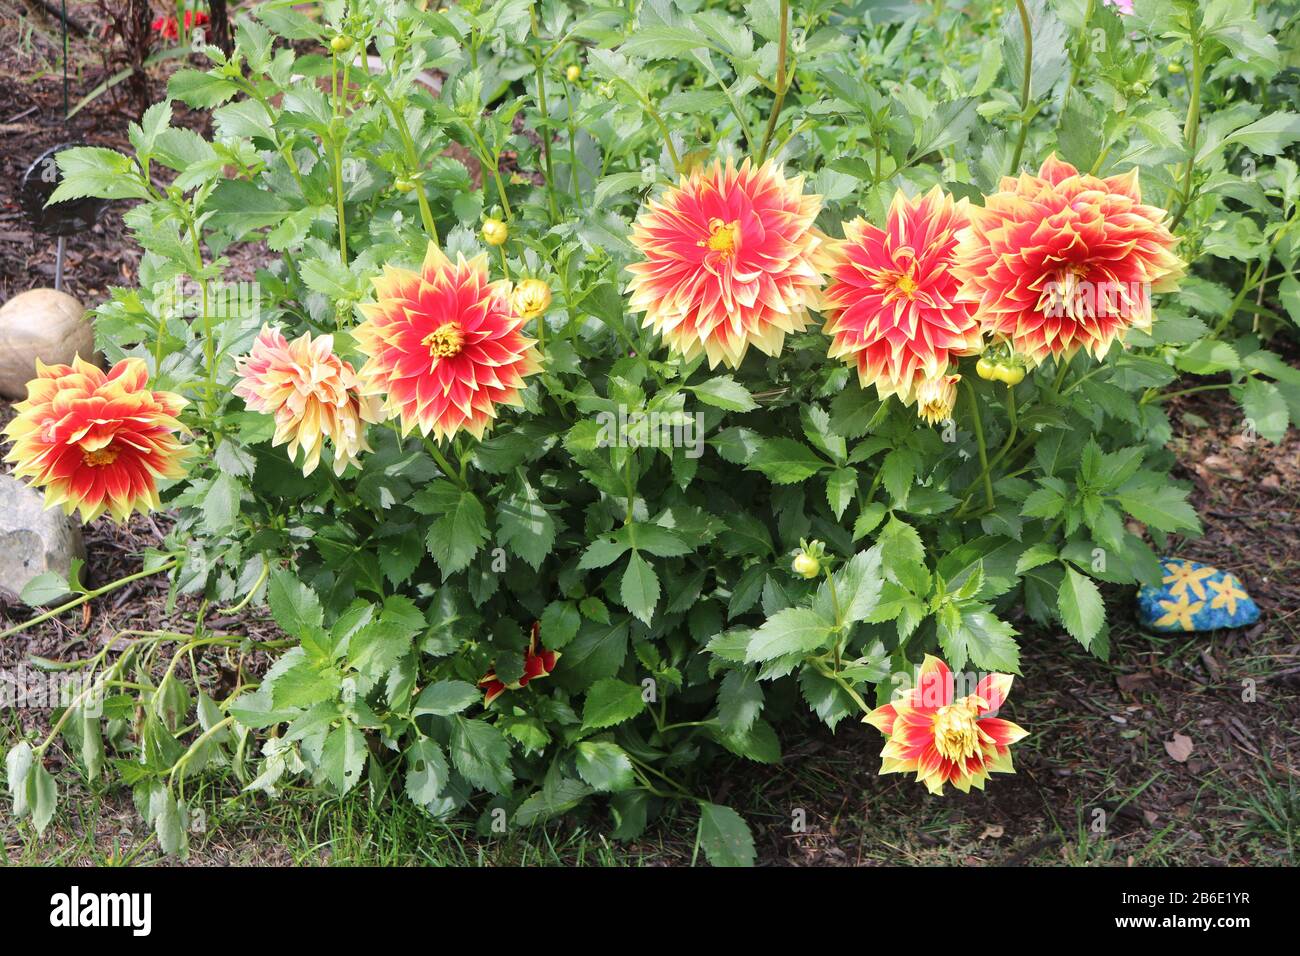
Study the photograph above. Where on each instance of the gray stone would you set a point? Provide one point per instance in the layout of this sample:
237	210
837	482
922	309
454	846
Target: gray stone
33	540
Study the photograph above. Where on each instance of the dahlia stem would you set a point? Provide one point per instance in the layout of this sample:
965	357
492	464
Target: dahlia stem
1192	129
782	81
443	463
659	121
412	162
539	63
1024	85
987	470
89	596
261	579
338	133
1074	63
979	437
848	687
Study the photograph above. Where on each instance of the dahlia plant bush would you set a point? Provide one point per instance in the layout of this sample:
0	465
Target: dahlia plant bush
620	383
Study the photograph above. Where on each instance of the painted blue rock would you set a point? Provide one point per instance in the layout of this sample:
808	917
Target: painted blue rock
1195	597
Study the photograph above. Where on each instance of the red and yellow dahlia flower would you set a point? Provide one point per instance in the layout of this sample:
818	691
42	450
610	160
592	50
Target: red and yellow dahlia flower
891	297
943	738
936	397
444	345
1065	260
538	662
97	441
311	392
728	261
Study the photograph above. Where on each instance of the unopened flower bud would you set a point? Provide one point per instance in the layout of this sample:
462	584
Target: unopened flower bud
495	232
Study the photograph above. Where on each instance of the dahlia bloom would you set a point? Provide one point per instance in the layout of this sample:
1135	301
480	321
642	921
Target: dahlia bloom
444	346
312	394
936	397
538	662
531	298
1063	260
1123	6
946	739
97	441
891	297
728	261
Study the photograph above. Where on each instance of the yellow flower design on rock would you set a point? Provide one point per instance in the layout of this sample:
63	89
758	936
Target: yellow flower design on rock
1182	578
1227	592
1179	611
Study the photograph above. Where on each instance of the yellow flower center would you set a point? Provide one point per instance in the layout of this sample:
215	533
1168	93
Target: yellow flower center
956	735
723	237
907	285
445	341
100	456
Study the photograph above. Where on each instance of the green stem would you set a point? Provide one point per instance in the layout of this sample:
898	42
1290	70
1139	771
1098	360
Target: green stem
1024	85
979	437
412	162
658	121
444	464
1192	128
1165	396
546	137
89	596
782	81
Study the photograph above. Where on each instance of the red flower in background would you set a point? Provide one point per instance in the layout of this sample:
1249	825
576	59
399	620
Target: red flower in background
538	662
166	26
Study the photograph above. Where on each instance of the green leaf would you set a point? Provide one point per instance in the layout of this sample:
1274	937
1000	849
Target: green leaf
1079	602
1265	408
427	772
18	764
202	90
1162	506
524	526
858	585
481	754
344	756
795	630
99	172
1034	556
1207	357
46	588
601	553
725	837
455	538
740	701
560	623
609	702
221	504
605	766
786	461
841	485
446	697
1268	136
640	589
897	473
294	606
656	540
42	796
726	393
169	825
